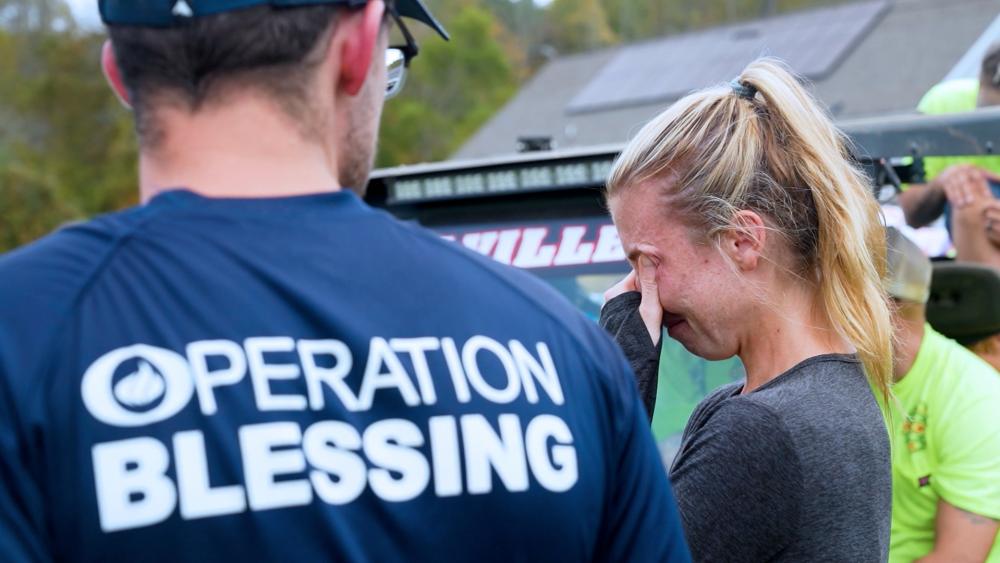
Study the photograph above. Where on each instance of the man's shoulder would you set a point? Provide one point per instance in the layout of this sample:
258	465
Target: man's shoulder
512	298
498	286
955	361
70	245
40	284
956	373
444	253
46	275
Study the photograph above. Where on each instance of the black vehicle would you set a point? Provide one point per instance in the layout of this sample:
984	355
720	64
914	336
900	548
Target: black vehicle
544	211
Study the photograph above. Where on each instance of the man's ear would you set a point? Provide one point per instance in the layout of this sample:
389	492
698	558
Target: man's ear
744	242
109	64
359	33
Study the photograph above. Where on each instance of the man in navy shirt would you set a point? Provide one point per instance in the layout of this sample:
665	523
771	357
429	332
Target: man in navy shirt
254	365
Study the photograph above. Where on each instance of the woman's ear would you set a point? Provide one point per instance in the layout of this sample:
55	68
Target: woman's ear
744	242
109	64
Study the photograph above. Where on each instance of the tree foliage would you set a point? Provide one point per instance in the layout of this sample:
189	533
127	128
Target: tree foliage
578	25
66	145
453	88
67	150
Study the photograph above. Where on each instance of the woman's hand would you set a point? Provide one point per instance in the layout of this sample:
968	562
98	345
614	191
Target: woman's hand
627	284
643	281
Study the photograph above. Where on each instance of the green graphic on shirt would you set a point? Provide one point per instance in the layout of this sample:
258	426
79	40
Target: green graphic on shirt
915	428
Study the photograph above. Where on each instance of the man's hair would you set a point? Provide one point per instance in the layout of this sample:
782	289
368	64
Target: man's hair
989	74
264	49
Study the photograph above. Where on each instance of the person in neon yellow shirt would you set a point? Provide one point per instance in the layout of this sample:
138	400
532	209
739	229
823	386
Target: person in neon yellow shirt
945	431
964	189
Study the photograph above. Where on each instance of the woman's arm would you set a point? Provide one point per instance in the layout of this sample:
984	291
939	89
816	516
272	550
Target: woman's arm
620	316
738	483
634	317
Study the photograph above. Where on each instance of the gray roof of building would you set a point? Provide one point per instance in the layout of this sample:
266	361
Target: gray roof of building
811	41
907	46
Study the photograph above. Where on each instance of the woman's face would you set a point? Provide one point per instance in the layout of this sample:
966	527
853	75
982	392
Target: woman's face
706	302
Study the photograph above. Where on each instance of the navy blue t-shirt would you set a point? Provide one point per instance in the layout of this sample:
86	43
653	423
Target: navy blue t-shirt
307	379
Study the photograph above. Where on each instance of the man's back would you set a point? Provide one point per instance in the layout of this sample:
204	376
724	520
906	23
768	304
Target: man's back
305	378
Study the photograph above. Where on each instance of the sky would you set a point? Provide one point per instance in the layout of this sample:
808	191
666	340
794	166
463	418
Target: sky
85	11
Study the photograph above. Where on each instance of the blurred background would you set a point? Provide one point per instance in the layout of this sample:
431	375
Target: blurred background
66	146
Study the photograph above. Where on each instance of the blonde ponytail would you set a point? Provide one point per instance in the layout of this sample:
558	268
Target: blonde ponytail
764	144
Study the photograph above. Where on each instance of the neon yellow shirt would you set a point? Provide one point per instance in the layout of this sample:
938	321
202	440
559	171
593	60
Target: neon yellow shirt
945	444
953	96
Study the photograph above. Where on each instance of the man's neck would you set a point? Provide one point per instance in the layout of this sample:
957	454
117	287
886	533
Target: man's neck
909	338
245	149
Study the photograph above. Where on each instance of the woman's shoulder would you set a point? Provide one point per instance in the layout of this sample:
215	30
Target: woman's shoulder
813	377
806	393
827	399
814	382
716	398
731	427
726	408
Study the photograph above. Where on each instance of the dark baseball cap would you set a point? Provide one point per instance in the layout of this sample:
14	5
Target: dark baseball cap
170	13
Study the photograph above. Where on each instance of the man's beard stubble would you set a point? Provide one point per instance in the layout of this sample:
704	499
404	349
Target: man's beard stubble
357	151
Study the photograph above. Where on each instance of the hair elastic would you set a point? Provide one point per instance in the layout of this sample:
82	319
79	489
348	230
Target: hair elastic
743	90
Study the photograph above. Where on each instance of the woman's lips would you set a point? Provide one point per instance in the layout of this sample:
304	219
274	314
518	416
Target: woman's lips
674	327
670	321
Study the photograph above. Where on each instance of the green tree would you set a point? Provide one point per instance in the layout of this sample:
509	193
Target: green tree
66	146
453	88
577	25
35	15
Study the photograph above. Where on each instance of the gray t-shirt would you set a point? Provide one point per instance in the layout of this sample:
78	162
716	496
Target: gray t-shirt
797	470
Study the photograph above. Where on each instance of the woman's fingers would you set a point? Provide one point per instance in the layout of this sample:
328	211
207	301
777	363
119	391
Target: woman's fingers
643	280
624	286
649	308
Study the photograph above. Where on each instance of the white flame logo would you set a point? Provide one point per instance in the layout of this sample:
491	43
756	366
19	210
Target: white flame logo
182	9
161	375
141	387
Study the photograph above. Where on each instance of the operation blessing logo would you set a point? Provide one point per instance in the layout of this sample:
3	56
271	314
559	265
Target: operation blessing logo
335	460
